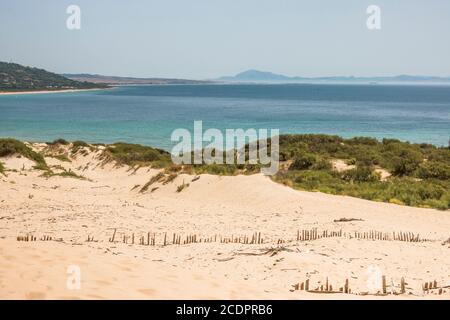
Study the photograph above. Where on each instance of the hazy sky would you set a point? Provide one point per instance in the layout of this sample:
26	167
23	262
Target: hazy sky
210	38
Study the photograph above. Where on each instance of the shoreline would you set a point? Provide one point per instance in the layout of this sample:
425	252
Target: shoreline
50	91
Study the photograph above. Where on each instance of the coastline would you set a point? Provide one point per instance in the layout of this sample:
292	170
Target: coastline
7	93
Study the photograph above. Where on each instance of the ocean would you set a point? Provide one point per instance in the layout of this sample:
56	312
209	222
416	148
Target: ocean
148	114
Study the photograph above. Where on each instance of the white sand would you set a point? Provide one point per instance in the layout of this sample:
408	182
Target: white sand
47	91
74	209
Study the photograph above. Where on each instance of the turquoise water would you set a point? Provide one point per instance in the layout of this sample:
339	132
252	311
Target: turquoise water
148	114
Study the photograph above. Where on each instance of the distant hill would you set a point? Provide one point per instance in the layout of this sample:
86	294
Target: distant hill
15	77
263	76
96	78
255	75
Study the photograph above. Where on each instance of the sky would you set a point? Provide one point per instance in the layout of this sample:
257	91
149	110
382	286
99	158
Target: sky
204	39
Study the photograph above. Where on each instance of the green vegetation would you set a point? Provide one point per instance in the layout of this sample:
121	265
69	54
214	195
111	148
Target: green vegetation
134	154
10	147
223	169
15	77
64	174
156	178
182	186
61	157
420	172
58	141
79	145
170	178
2	168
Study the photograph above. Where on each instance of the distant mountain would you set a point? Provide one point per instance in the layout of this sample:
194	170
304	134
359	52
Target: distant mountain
255	75
15	77
96	78
268	77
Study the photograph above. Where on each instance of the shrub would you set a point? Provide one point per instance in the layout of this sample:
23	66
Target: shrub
11	146
79	143
70	174
314	180
154	179
217	169
62	157
58	141
406	162
434	170
361	174
322	164
303	162
132	154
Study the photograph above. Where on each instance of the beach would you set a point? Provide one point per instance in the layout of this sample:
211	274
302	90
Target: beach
7	93
219	237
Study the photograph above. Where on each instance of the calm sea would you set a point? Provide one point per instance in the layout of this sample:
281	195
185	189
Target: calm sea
148	114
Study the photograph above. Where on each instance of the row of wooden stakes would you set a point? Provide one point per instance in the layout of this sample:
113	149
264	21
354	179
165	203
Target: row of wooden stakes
314	234
432	286
150	239
302	235
329	288
323	288
30	237
392	291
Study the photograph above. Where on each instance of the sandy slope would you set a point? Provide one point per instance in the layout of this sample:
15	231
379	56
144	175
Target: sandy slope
71	210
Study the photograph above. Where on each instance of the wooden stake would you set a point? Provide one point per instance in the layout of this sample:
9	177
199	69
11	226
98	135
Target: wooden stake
114	235
402	286
383	280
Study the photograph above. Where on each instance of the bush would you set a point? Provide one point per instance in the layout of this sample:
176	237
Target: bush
58	141
322	164
360	174
61	157
406	162
303	162
79	143
132	154
434	170
10	147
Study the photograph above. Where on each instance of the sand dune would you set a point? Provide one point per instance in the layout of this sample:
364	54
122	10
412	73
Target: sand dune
212	207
